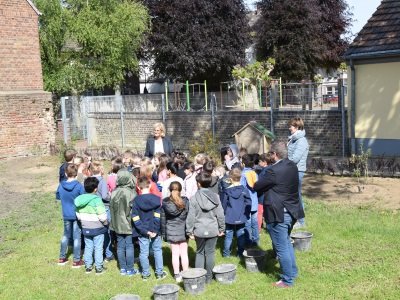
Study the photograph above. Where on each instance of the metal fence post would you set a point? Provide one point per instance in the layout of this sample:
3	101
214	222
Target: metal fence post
163	108
213	102
87	110
272	101
64	119
121	112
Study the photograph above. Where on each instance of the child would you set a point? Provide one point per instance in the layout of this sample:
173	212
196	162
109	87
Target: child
91	212
199	160
237	206
146	210
248	179
208	167
146	170
162	172
232	156
204	223
83	171
69	155
172	173
116	165
173	218
67	191
189	183
120	210
102	191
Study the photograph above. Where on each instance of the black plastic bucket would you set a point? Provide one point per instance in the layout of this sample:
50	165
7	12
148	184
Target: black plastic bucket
225	273
254	260
194	280
166	292
302	240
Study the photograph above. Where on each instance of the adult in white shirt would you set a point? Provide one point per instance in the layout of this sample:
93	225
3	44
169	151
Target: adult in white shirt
158	143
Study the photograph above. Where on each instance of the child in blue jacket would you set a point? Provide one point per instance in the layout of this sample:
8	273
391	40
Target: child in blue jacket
146	212
67	191
236	202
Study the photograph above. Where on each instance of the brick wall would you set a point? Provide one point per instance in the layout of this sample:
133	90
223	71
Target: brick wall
26	124
323	128
20	66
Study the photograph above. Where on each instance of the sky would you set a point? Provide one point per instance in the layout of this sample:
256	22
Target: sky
362	11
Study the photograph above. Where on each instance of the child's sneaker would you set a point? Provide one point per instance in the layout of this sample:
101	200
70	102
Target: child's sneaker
62	261
132	272
108	259
77	264
100	271
178	278
122	272
89	270
145	277
161	276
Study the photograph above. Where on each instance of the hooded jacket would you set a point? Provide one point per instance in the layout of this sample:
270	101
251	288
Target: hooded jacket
237	205
67	191
173	221
214	184
91	211
146	212
298	149
235	158
121	199
206	216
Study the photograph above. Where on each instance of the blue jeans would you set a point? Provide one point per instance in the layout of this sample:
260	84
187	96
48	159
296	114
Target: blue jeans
155	244
72	231
107	236
240	236
125	251
94	243
251	230
280	236
302	221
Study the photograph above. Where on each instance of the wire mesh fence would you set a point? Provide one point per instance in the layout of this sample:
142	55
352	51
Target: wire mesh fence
276	96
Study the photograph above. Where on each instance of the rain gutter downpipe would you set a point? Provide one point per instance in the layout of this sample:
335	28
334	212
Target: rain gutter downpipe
353	108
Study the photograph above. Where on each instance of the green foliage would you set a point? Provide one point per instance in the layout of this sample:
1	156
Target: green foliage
359	163
343	67
89	44
198	39
302	35
255	72
205	144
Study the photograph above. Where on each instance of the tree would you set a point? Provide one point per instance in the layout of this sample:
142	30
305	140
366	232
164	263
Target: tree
89	44
197	39
302	35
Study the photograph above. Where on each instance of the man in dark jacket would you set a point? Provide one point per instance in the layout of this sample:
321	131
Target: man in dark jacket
281	209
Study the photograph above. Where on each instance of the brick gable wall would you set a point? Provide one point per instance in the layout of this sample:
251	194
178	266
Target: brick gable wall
20	65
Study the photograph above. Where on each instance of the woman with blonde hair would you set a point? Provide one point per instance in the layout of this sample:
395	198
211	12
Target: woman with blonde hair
158	142
173	229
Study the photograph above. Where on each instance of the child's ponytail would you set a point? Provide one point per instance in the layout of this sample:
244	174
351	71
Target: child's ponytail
175	189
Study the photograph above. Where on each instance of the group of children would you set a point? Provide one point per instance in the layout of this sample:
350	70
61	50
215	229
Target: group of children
144	201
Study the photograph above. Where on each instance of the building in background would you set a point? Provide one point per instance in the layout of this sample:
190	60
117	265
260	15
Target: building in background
374	83
26	123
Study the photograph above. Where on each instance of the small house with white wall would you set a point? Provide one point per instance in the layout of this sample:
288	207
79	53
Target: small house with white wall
374	83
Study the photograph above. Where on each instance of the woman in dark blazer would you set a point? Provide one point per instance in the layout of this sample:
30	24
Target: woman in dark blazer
158	142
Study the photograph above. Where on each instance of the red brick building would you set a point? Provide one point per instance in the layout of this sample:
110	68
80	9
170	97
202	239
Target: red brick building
26	114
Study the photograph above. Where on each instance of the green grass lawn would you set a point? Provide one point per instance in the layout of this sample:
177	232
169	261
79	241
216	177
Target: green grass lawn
354	255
